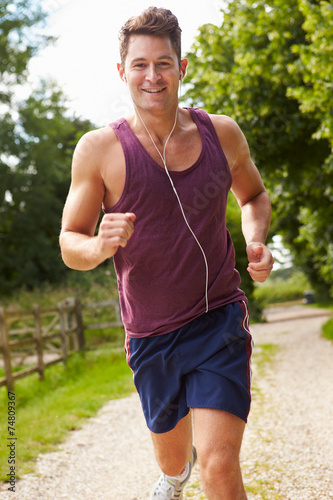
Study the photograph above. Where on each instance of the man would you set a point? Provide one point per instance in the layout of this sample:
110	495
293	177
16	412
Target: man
162	177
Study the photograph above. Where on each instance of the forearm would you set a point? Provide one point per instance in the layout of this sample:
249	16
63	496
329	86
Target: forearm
84	252
79	251
256	217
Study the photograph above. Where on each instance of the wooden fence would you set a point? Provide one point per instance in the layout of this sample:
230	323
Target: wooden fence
41	337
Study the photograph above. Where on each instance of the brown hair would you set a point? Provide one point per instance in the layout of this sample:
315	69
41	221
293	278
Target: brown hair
153	21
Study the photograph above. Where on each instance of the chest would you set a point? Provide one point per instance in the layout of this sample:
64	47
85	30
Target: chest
181	151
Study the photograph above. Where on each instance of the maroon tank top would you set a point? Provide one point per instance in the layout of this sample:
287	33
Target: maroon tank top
161	272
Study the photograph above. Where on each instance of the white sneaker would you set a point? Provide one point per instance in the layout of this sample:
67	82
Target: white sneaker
169	488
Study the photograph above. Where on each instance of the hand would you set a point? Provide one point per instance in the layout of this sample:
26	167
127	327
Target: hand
114	231
260	261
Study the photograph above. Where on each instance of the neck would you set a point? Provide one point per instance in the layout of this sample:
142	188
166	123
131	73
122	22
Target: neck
151	137
159	126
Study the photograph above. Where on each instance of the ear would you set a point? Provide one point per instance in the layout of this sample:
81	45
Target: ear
121	72
183	66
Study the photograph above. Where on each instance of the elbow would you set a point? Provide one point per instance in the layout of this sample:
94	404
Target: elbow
264	198
66	251
260	198
63	252
77	252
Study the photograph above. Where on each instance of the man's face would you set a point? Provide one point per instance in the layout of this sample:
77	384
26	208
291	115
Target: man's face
152	72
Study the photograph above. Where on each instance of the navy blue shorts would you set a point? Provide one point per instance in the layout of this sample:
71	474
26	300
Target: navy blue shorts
204	364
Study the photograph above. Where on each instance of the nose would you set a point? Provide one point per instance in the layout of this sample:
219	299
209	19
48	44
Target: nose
152	73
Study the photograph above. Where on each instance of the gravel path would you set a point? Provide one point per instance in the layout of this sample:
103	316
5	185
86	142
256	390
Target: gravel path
287	452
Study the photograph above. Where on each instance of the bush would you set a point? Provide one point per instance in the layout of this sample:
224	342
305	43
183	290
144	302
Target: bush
279	288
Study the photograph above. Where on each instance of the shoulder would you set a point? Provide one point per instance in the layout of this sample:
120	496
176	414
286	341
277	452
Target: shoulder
93	147
95	142
226	125
231	137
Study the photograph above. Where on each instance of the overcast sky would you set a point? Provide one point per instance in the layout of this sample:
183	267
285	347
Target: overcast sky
83	60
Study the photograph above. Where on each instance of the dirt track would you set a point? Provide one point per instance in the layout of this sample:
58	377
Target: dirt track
288	445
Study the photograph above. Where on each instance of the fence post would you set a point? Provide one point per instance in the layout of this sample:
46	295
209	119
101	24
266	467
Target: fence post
72	341
79	323
39	342
63	331
6	350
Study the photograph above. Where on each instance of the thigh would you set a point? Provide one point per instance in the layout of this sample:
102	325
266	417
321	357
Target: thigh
219	375
158	379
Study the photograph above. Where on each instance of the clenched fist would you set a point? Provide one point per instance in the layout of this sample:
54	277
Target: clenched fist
114	231
260	261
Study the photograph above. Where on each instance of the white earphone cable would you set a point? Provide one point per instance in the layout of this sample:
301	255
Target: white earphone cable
163	158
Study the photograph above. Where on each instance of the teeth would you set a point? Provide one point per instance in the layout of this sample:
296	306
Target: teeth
153	91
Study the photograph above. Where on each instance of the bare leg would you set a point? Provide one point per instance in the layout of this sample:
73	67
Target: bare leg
173	449
218	439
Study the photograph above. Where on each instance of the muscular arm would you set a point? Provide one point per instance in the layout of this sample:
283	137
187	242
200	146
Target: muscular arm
250	193
81	249
251	196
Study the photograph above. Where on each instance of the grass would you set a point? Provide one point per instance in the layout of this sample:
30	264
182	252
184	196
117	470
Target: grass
260	486
262	359
97	285
47	410
90	286
264	355
193	490
328	329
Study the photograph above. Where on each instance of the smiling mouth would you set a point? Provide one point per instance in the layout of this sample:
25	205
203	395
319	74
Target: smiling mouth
154	91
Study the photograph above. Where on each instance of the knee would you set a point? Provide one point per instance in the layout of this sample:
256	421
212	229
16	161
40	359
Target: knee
219	467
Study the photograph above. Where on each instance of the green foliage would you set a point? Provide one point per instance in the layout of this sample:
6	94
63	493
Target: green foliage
35	188
37	139
278	289
256	67
247	284
315	65
97	285
90	286
17	46
18	43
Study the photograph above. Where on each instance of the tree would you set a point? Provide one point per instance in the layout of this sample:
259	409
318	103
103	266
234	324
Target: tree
18	43
315	64
249	69
37	139
17	46
37	184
